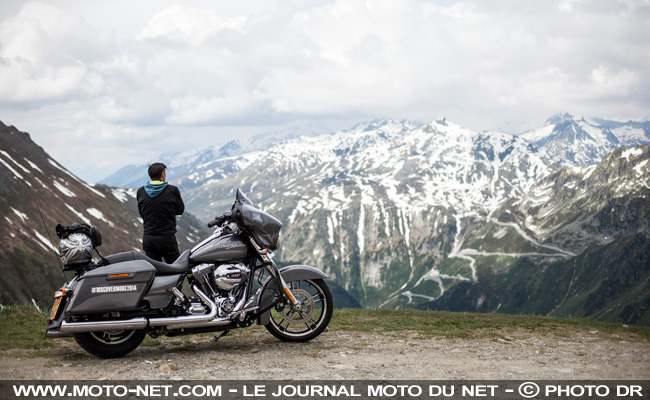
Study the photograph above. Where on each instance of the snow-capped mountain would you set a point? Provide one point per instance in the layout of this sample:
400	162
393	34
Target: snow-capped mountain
630	133
397	212
379	207
417	166
577	244
583	141
194	167
402	214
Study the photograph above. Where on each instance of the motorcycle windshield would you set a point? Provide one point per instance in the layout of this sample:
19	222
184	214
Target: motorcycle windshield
264	227
241	197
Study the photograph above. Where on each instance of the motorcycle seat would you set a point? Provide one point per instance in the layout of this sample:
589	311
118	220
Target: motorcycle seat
177	267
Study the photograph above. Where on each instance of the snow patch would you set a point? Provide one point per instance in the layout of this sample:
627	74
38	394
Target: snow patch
634	152
628	134
57	166
46	241
588	171
63	189
99	215
122	195
4	153
42	184
539	134
34	166
330	230
13	171
78	214
360	234
638	168
22	215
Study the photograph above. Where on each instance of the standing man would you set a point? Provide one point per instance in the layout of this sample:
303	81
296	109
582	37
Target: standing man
159	203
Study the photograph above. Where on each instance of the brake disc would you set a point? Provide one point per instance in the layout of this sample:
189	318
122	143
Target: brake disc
306	308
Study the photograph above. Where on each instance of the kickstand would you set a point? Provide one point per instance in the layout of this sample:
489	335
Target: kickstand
224	333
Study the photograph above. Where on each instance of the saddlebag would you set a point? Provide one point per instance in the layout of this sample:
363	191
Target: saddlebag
115	287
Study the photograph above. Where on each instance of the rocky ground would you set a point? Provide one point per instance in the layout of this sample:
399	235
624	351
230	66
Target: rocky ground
255	354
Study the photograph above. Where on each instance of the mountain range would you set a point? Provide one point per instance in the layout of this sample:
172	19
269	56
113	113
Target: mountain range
584	141
404	214
181	165
436	216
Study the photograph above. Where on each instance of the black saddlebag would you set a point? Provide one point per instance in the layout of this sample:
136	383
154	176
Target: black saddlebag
115	287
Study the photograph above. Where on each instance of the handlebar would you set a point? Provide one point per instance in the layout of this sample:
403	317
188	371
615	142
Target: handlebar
218	221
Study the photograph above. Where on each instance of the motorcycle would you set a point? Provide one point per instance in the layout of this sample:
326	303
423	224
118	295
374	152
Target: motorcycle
112	304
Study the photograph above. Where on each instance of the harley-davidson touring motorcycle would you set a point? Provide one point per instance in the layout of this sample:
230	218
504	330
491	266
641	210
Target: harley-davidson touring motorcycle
112	304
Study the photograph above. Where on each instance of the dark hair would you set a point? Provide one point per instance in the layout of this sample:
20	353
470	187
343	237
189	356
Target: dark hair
156	170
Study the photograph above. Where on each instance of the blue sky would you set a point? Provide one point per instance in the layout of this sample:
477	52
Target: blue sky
104	84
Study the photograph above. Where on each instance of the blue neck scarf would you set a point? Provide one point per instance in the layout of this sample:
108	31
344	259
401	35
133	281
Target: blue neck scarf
154	188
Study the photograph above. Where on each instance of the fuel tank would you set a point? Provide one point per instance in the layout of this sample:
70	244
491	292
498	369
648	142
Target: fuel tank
226	247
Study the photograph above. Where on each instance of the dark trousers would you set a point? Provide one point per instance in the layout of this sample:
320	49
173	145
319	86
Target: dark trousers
159	247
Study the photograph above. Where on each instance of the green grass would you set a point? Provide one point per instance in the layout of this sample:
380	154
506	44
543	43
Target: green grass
471	325
23	327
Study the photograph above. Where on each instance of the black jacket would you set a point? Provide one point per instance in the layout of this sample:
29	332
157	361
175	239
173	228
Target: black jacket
159	213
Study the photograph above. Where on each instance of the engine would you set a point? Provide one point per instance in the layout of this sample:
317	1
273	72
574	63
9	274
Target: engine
230	276
224	282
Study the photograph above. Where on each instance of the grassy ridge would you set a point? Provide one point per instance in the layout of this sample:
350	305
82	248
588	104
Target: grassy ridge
472	325
23	327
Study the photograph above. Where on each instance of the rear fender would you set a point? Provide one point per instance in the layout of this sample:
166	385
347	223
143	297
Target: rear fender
54	324
289	274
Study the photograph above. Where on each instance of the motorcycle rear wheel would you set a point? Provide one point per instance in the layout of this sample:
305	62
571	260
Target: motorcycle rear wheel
110	344
302	325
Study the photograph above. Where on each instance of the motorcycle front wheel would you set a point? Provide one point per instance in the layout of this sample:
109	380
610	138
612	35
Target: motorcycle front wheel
110	344
310	320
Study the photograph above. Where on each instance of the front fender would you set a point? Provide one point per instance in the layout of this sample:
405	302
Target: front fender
289	274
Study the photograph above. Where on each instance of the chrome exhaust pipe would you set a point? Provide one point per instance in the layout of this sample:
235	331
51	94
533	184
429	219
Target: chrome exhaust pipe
172	323
198	321
93	326
190	321
238	309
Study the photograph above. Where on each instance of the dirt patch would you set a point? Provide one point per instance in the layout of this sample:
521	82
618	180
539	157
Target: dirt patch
254	354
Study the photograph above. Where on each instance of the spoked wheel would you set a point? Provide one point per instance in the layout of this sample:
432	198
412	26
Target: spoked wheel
110	344
310	320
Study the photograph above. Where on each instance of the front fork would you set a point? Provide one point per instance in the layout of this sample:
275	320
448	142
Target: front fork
269	265
275	272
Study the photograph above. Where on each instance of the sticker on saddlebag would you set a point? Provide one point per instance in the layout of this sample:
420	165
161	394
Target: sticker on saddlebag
114	289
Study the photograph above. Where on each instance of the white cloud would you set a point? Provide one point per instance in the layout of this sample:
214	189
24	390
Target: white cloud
46	53
72	69
24	82
191	110
606	85
567	5
192	26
